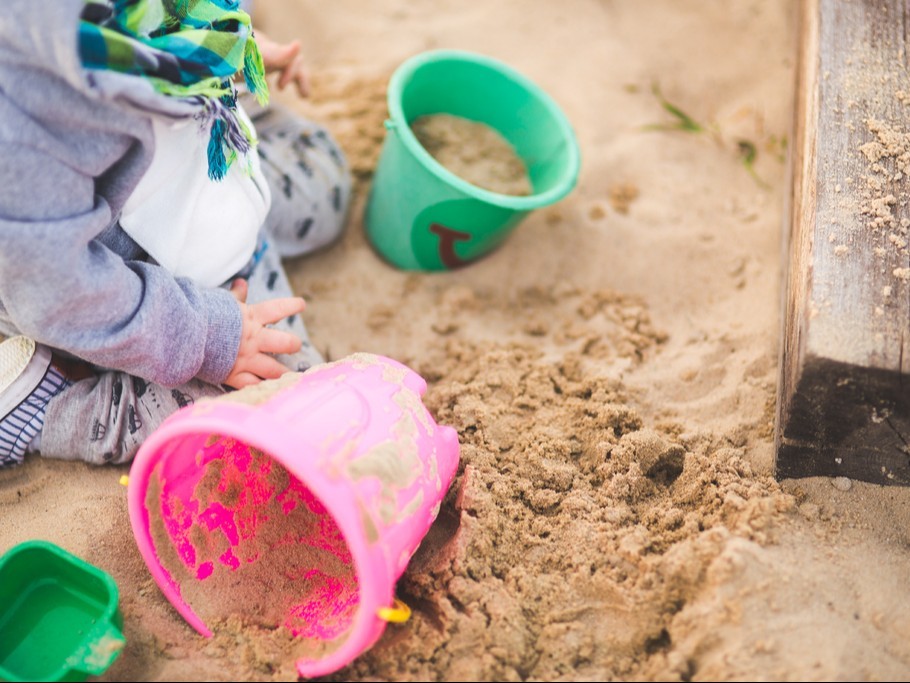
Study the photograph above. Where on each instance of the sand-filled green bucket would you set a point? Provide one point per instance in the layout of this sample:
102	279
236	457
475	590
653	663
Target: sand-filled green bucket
420	215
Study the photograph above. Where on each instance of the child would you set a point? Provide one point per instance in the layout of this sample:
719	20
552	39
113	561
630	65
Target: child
143	215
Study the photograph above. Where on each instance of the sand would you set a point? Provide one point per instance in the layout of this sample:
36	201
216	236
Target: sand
611	372
474	152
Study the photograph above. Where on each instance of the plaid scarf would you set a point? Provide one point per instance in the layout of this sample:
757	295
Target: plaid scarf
188	49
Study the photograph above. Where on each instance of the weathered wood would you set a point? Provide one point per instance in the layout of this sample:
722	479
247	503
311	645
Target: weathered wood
844	390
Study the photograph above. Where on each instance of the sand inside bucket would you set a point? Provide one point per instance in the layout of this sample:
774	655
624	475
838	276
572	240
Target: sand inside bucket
254	552
474	152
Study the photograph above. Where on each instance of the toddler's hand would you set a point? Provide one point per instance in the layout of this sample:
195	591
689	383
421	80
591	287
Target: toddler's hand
257	341
285	59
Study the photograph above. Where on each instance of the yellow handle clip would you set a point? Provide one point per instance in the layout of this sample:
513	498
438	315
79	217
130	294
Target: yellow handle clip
397	614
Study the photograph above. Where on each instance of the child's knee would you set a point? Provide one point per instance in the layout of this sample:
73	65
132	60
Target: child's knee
323	166
340	203
311	187
331	173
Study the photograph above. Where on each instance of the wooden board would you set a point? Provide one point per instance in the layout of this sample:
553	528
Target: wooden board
843	404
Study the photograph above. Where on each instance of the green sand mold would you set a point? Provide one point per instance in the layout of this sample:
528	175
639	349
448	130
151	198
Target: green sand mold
59	616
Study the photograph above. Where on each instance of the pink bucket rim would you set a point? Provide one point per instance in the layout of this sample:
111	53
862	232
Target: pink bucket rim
257	429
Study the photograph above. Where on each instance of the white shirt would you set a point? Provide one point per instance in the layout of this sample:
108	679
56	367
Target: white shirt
194	226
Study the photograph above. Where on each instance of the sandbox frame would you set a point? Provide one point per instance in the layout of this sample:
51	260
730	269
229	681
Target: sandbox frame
843	404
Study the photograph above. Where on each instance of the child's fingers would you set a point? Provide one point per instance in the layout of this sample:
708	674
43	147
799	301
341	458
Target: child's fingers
295	73
276	56
289	53
273	310
265	367
302	80
286	75
240	288
241	380
276	341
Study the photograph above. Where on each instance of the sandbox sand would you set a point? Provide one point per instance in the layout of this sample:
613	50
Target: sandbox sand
474	152
610	370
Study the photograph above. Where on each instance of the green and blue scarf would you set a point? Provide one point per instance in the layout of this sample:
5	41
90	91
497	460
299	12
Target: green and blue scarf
188	49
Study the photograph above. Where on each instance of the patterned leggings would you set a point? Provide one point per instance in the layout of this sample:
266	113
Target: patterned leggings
106	417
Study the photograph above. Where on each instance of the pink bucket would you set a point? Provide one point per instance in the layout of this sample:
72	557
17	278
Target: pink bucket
296	503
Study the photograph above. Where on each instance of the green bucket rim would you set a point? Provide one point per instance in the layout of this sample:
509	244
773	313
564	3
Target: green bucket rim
516	203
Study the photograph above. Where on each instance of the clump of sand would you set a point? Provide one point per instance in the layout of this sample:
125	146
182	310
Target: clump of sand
616	524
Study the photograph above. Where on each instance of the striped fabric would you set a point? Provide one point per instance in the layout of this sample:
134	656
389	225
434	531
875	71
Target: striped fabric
188	49
20	427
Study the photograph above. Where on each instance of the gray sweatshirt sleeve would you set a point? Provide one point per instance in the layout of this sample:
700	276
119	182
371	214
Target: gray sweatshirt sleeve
63	288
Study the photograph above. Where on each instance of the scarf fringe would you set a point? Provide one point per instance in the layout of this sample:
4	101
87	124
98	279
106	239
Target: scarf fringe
254	71
218	165
229	137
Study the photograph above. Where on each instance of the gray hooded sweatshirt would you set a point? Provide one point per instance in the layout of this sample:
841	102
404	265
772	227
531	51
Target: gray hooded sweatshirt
73	145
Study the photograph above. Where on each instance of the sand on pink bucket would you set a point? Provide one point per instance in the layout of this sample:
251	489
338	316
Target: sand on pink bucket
233	520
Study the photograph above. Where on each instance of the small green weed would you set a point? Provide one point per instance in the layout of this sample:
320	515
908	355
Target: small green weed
746	150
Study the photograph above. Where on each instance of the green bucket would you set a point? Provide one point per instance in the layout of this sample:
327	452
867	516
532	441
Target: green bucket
59	616
420	215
